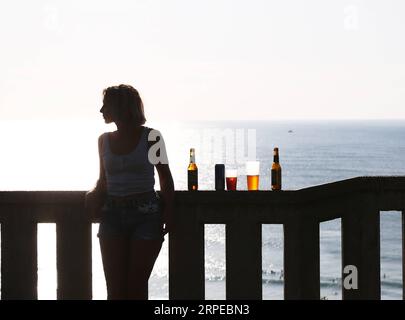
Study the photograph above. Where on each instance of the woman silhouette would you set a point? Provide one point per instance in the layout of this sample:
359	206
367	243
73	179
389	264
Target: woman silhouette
134	218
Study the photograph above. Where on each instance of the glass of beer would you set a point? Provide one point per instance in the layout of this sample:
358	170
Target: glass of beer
231	179
252	173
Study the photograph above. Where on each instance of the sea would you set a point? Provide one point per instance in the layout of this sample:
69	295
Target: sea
62	155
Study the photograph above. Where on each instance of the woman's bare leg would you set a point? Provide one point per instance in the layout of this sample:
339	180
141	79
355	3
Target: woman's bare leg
114	252
142	257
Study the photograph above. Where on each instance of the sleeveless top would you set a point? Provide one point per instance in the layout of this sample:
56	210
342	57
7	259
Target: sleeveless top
128	173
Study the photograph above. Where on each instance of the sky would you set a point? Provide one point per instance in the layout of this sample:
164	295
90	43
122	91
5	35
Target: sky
205	60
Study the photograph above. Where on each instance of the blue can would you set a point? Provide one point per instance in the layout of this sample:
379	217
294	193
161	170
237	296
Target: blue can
219	177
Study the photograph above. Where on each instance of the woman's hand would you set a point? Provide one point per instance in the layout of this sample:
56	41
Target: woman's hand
167	221
93	203
167	193
91	199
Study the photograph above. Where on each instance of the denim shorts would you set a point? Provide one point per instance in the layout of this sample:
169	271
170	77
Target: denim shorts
136	219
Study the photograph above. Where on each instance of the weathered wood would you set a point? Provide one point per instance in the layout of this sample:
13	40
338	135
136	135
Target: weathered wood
186	252
391	200
19	265
387	185
74	258
301	259
244	258
403	254
361	248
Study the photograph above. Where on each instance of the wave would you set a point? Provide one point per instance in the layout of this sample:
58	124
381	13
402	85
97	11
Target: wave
276	277
391	284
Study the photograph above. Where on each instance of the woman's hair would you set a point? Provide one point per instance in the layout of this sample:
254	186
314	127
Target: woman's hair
125	97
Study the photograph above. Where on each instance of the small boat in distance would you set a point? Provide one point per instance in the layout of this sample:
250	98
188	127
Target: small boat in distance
290	131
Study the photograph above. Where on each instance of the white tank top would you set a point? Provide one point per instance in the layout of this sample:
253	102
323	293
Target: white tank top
129	173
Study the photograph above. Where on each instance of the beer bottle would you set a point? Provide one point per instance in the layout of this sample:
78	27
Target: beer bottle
192	171
276	171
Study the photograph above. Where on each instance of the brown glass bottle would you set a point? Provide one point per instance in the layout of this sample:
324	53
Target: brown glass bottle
192	172
276	171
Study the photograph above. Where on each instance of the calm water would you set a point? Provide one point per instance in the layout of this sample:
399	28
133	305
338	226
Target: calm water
63	156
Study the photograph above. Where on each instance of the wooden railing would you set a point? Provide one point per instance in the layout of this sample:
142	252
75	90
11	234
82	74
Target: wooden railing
357	202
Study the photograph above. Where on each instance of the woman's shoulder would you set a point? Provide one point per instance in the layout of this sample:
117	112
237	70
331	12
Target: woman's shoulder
152	133
102	139
103	136
148	129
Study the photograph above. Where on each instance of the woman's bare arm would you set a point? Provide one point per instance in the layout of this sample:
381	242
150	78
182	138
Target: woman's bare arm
167	192
101	182
95	196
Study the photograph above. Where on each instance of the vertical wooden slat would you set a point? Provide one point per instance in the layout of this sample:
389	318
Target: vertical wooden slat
243	259
301	259
403	254
74	259
361	248
19	267
186	255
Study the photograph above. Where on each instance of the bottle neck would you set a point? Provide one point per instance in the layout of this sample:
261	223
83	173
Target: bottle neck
192	158
276	158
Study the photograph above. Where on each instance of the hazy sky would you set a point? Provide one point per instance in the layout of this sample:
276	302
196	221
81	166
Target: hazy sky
211	59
